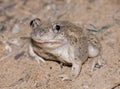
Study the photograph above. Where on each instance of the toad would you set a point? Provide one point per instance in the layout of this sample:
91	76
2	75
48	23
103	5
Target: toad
64	42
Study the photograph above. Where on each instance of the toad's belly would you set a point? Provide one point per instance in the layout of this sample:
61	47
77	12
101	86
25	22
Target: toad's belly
61	54
64	54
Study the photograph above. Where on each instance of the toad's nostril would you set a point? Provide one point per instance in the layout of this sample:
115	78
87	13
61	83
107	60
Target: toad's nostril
41	32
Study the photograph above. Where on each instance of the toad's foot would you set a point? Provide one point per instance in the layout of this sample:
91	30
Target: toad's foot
34	55
97	63
76	68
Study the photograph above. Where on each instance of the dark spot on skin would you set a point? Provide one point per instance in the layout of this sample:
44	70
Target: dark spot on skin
62	33
82	55
84	38
73	75
95	42
75	40
73	68
72	42
49	75
80	48
75	58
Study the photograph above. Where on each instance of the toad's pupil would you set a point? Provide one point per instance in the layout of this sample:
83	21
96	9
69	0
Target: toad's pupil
31	23
57	27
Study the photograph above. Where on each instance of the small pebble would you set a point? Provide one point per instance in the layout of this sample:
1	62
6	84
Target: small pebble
16	29
14	42
7	47
50	67
19	55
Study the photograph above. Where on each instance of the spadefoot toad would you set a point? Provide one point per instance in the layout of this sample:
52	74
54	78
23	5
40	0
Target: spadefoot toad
63	41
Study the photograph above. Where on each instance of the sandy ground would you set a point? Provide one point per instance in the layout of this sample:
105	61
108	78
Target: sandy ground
19	71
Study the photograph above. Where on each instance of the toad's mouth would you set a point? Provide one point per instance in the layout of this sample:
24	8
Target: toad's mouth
47	41
49	44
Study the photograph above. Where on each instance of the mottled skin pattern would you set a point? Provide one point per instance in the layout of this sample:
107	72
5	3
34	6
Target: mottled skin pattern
64	42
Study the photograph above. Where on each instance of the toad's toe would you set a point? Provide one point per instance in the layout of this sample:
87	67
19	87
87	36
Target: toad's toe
64	77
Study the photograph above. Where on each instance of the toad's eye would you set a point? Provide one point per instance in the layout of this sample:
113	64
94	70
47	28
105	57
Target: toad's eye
35	23
57	27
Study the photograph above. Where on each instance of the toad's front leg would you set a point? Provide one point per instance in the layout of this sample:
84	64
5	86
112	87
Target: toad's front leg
34	55
76	68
